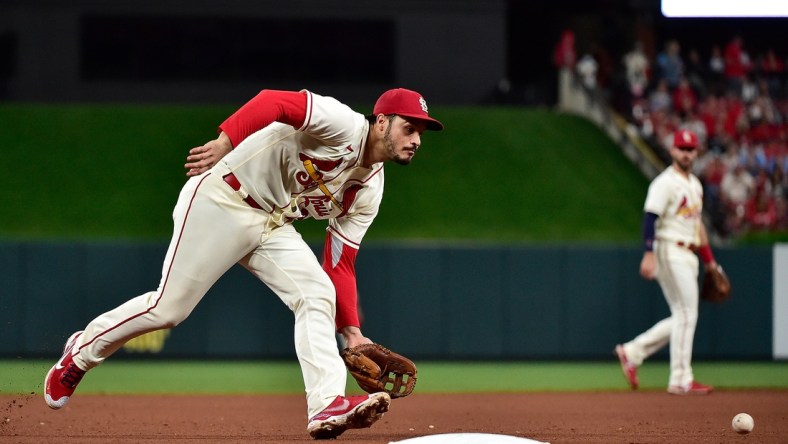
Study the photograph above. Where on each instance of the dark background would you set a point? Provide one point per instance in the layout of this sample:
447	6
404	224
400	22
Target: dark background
458	51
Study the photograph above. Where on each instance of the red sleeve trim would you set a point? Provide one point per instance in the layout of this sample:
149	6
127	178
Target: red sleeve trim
268	106
343	275
309	106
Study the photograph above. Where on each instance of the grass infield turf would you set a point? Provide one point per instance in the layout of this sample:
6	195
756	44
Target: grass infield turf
124	376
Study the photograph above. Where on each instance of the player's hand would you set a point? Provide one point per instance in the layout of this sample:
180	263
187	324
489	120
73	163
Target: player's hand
202	158
354	337
648	265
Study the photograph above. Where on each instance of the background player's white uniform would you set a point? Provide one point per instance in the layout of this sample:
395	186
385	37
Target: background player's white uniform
678	201
215	227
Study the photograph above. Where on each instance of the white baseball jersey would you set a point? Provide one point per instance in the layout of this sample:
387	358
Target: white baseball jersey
678	201
270	164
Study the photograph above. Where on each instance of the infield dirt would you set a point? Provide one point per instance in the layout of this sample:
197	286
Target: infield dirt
609	417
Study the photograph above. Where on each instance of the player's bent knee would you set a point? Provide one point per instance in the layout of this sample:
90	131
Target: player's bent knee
688	319
169	319
324	301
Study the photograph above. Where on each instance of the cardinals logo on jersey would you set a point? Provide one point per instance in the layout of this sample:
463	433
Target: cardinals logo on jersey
686	210
319	206
327	204
323	166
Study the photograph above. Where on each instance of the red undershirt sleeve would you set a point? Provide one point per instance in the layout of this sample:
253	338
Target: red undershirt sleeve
342	272
268	106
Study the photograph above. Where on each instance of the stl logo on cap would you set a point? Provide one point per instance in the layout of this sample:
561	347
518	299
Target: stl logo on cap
405	103
423	103
685	139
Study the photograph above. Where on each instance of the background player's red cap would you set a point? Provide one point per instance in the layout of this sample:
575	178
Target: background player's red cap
406	103
685	139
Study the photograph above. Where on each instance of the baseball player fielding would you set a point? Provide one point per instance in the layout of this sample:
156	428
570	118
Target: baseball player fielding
282	157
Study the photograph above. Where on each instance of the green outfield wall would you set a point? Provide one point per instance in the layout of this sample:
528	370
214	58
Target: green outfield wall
439	302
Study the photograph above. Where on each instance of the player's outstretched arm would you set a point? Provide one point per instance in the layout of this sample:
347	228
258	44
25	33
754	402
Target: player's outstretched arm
202	158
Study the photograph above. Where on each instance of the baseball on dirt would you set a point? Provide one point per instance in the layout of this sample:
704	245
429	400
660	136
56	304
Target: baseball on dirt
742	423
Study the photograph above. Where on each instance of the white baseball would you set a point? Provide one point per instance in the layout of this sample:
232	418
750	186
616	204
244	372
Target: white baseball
742	423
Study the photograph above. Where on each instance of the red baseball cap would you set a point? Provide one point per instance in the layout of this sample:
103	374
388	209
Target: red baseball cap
406	103
685	139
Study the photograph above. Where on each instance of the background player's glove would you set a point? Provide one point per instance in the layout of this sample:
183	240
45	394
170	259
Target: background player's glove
378	369
716	287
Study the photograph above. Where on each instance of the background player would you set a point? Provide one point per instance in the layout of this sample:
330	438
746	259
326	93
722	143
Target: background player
282	157
673	232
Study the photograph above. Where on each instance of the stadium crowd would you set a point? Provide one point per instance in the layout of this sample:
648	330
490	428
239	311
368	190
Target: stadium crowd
735	101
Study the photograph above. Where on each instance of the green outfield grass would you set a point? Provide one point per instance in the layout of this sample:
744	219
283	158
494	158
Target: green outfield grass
250	377
496	174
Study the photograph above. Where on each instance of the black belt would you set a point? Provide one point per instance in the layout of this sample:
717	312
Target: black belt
234	184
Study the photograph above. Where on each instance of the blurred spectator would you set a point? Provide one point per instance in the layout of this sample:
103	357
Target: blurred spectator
716	77
564	52
763	108
737	63
564	59
779	189
712	175
748	155
772	69
660	99
692	121
606	67
587	69
669	63
732	111
702	160
749	90
637	70
760	210
736	189
664	130
684	98
731	156
779	180
696	72
763	183
707	111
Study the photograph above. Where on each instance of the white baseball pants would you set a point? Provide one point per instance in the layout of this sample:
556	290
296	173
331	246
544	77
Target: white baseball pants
677	274
214	229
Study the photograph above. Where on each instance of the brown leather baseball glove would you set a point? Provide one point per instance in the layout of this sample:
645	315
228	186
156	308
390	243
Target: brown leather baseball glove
716	287
378	369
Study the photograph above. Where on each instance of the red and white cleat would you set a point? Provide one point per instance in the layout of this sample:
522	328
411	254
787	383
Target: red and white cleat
353	412
63	378
693	388
630	370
